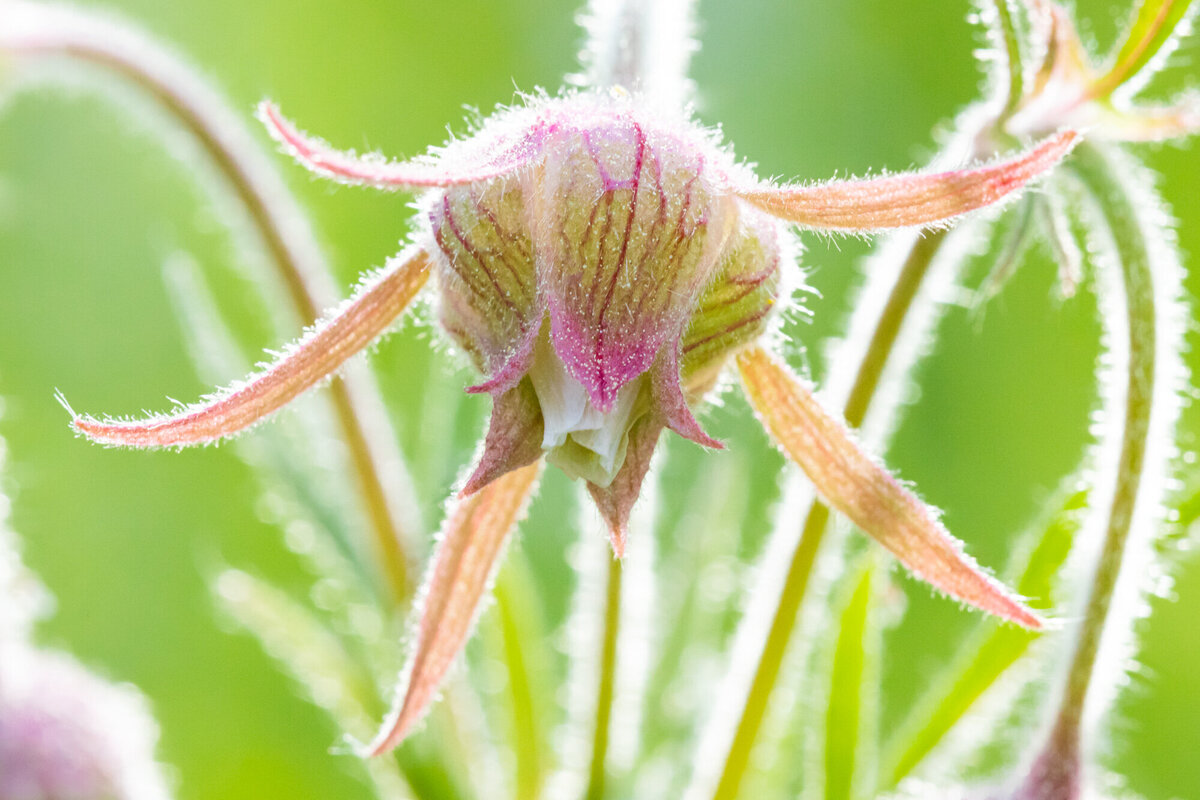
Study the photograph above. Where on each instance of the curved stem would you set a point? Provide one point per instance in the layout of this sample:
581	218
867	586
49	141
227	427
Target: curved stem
1057	770
867	378
887	330
274	215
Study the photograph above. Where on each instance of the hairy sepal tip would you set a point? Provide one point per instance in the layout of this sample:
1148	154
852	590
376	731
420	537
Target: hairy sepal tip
373	170
148	434
473	539
850	481
318	355
909	200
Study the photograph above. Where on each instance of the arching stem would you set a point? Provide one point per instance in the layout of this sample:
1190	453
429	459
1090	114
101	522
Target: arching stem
1057	772
39	32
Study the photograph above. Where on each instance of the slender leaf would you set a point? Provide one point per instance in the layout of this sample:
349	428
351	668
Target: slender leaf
848	738
523	642
314	657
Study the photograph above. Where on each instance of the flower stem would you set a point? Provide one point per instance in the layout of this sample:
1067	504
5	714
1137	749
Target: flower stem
598	771
887	331
640	45
1057	770
274	216
869	373
1010	38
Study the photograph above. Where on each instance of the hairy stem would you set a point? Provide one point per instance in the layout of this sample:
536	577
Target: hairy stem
640	45
273	214
1058	769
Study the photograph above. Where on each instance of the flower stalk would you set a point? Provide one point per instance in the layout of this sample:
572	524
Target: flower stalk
606	686
1152	371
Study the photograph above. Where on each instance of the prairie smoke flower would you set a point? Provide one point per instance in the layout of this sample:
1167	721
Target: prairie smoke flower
65	733
601	261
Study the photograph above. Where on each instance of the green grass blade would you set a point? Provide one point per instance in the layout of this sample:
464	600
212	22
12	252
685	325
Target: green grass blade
523	639
848	736
315	659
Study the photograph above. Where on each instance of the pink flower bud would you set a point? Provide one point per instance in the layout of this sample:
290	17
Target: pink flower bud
64	733
584	273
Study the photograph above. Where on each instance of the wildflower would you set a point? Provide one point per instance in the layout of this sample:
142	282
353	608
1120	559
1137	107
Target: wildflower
66	733
601	262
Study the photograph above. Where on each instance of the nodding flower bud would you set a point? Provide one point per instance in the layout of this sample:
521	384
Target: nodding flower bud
601	260
604	284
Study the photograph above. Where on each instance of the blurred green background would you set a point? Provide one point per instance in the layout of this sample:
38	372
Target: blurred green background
91	206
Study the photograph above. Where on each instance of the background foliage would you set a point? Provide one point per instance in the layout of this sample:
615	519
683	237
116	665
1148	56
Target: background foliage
91	208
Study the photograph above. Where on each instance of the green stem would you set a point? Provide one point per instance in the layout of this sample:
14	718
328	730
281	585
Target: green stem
1061	761
866	383
598	771
272	214
1012	54
887	331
